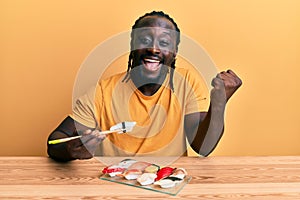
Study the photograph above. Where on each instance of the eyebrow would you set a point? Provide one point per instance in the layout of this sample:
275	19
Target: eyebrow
147	29
168	33
164	33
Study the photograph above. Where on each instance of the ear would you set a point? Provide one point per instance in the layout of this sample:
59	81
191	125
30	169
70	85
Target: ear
175	53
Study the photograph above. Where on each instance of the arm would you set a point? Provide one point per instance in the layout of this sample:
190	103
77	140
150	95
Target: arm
204	130
82	148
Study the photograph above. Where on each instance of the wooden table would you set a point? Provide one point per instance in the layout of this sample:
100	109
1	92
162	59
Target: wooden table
262	178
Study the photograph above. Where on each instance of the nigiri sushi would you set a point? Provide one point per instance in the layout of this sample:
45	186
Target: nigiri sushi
164	172
146	178
153	168
165	183
119	168
112	170
134	170
139	165
179	173
177	176
131	174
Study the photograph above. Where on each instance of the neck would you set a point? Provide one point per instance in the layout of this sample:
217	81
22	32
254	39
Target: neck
149	89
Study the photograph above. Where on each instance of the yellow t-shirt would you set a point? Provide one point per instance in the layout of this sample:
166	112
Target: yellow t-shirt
160	117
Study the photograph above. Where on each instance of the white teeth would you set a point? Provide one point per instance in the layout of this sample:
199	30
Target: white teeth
151	60
151	65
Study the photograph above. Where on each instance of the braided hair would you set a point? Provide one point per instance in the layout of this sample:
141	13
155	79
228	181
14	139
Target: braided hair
130	59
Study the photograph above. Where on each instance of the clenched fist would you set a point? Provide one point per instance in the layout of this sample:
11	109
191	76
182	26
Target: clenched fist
225	84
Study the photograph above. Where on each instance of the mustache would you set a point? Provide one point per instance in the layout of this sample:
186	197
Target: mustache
151	56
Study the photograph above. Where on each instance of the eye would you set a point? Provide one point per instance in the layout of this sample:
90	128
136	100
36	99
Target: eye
145	41
164	43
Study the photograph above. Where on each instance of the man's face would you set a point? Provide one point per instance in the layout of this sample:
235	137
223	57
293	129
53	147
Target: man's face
154	47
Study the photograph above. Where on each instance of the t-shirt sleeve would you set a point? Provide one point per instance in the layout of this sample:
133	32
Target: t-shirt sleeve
197	95
83	109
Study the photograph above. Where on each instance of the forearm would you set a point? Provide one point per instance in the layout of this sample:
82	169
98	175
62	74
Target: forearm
213	129
205	131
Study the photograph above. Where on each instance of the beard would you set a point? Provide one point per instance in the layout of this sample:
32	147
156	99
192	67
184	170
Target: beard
141	77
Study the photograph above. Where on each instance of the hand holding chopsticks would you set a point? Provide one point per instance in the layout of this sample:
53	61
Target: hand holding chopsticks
120	128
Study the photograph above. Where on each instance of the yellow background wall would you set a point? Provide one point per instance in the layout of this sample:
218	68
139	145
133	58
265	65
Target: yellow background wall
43	43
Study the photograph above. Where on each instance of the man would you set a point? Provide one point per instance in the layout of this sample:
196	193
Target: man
169	104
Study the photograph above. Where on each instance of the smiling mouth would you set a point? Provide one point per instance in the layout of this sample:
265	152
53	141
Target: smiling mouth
151	65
